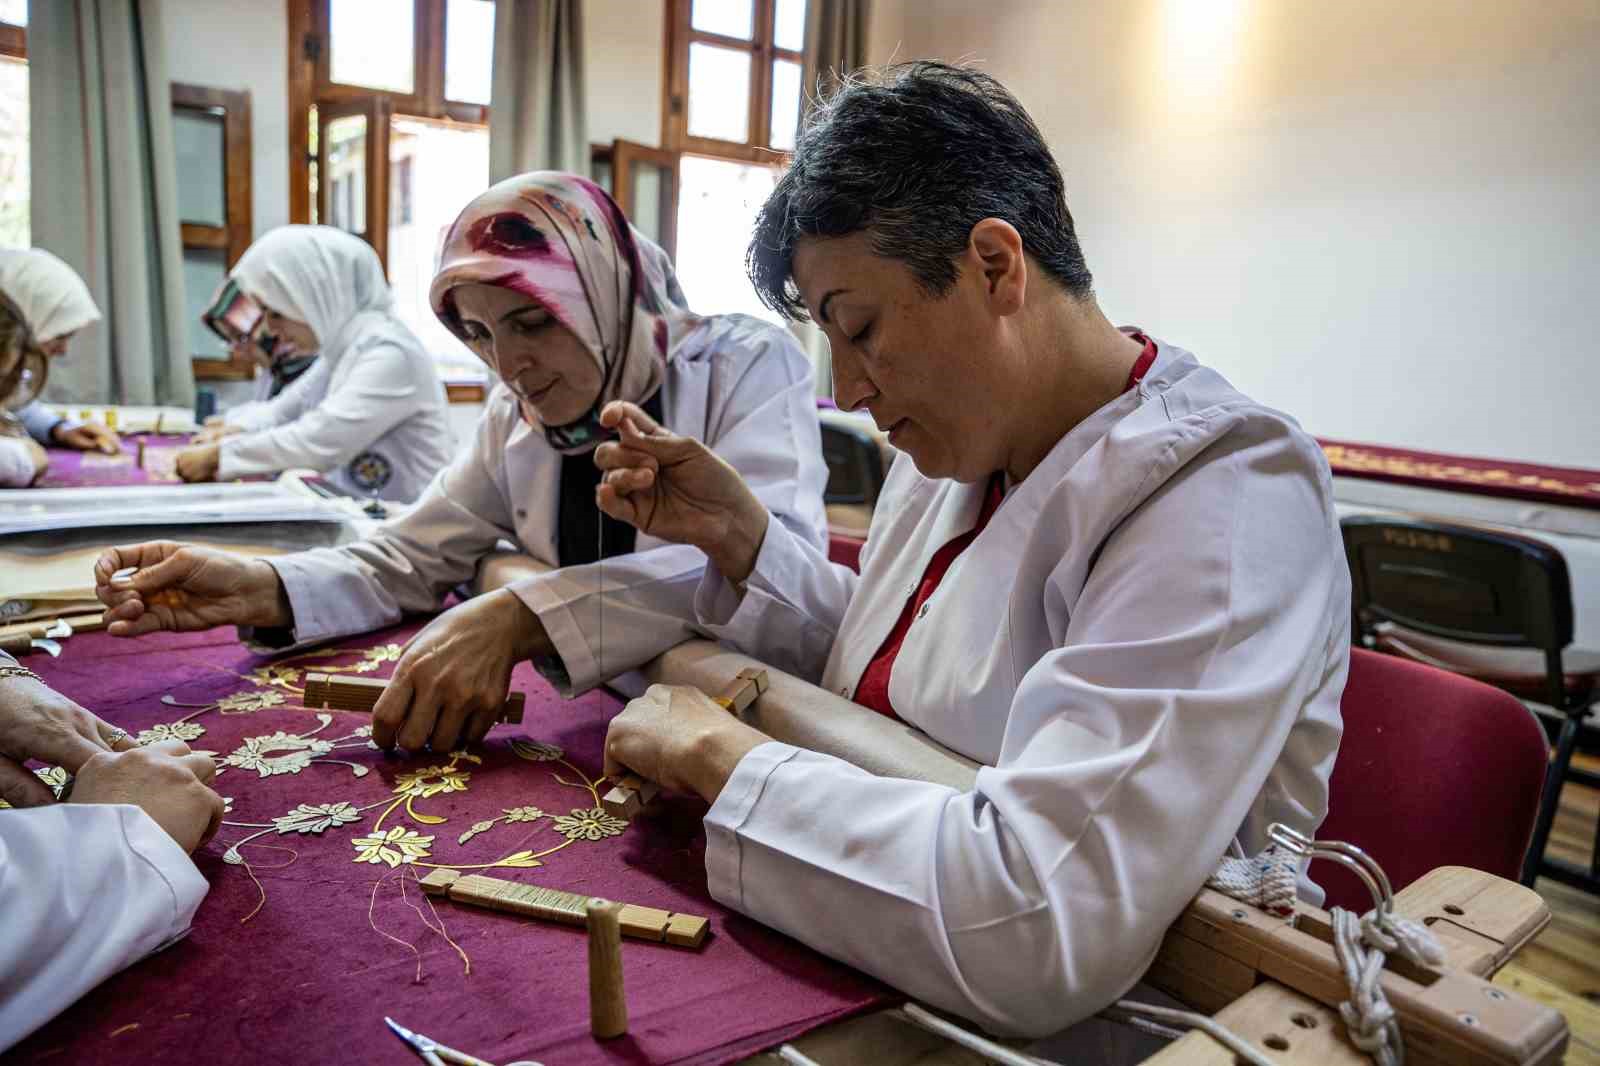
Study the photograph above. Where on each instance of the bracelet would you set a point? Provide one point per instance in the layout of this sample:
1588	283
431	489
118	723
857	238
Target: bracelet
10	670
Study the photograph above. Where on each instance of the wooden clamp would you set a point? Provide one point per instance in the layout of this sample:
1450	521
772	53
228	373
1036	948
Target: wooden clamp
631	793
1250	968
361	694
568	908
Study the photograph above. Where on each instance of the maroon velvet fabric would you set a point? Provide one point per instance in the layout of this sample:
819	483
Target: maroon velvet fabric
307	979
1434	770
1565	485
70	468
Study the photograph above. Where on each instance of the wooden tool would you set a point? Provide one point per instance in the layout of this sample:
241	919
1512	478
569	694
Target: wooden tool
608	1005
361	694
632	793
569	908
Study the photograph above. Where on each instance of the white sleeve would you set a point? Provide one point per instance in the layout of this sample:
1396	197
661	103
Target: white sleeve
1132	754
765	426
88	889
379	392
16	463
285	407
410	563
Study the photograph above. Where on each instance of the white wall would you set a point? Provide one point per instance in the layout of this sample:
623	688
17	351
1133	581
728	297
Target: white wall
624	53
1378	216
241	44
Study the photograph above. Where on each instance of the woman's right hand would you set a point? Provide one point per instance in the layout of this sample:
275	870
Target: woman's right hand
179	587
677	489
214	432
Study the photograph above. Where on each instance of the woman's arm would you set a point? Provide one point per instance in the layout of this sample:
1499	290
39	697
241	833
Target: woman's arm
21	461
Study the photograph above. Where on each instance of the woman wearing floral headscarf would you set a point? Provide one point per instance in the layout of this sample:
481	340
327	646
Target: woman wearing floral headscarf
545	280
370	413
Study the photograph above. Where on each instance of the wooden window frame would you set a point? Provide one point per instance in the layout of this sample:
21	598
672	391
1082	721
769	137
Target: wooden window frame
763	53
233	238
13	40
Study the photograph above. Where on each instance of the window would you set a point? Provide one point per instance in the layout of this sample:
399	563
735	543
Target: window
389	138
730	117
14	183
211	135
734	77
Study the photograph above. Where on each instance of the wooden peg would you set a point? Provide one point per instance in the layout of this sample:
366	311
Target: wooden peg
608	1005
631	793
361	694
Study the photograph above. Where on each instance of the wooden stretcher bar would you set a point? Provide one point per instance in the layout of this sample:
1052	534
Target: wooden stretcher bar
361	694
568	908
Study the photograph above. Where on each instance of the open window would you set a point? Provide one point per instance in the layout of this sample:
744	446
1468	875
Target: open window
211	135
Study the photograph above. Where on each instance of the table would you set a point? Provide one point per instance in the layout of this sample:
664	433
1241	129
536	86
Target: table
70	468
314	928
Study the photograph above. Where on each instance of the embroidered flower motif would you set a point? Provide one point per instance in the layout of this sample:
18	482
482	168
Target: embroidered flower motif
431	782
249	702
477	827
185	731
55	777
314	818
522	814
393	846
383	653
276	753
591	824
281	676
536	751
362	731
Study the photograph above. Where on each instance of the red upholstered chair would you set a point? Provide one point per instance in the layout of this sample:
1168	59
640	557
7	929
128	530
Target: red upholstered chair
1434	770
845	549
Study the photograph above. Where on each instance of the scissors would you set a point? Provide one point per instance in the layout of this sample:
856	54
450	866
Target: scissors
436	1054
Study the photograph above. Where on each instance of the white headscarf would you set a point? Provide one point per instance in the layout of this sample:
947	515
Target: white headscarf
48	292
319	275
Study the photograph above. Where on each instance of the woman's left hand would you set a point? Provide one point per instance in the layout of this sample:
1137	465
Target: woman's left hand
680	738
199	462
89	437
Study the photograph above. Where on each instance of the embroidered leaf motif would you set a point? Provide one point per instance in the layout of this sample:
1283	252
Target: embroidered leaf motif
232	857
467	755
394	846
314	818
281	676
477	827
249	702
431	782
522	860
383	653
362	731
591	824
523	814
171	731
535	751
277	753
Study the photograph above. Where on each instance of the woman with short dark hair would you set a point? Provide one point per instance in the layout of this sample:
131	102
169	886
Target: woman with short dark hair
1096	568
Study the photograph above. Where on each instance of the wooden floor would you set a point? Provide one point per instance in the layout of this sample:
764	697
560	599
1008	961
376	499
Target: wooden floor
1562	967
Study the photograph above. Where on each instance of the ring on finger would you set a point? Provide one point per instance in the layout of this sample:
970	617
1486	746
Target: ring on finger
116	736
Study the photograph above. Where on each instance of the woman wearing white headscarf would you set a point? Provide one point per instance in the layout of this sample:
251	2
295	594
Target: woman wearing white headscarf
546	281
54	305
371	414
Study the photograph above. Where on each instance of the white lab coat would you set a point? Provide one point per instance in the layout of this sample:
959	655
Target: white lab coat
740	385
1146	646
89	889
372	417
16	463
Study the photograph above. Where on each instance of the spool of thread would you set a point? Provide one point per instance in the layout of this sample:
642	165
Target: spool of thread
608	1006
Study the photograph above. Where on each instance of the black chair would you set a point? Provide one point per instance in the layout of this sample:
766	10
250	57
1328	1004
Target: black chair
855	465
1490	605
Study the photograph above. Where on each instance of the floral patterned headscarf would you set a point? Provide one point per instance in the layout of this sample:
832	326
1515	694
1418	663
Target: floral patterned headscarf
561	240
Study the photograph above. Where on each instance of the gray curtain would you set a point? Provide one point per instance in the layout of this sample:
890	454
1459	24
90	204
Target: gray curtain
105	197
836	43
536	112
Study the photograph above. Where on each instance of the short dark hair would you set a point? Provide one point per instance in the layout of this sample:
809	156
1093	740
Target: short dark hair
916	154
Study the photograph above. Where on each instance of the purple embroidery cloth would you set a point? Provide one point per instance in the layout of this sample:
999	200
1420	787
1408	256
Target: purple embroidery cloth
307	979
70	468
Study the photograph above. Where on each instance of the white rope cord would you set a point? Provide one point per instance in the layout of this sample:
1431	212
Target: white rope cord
1267	881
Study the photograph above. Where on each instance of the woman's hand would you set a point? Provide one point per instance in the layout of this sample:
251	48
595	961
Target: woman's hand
180	588
89	437
677	489
680	738
451	681
166	780
37	722
198	462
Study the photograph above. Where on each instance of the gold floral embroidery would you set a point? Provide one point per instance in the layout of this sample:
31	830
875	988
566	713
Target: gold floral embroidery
287	677
277	753
184	731
510	814
592	824
431	782
314	818
534	751
395	846
250	702
54	776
